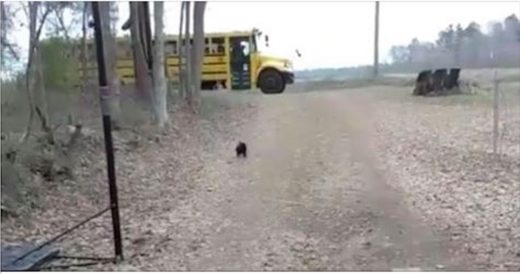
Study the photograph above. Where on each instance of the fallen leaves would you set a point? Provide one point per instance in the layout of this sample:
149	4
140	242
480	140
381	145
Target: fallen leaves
438	155
441	157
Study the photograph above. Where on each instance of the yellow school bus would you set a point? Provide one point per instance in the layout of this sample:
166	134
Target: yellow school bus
221	67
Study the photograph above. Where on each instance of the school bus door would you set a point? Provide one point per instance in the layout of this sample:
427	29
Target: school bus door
240	69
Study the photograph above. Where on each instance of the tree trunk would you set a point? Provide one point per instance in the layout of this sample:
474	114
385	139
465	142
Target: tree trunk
187	53
197	51
180	54
33	16
84	47
31	70
111	64
41	106
146	33
114	17
159	81
142	75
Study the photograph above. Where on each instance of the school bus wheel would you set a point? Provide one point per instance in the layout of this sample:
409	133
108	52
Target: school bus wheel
271	81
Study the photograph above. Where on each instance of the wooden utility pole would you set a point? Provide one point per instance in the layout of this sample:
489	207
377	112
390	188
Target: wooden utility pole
376	41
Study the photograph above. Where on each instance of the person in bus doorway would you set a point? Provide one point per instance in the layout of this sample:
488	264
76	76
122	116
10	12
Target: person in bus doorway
238	61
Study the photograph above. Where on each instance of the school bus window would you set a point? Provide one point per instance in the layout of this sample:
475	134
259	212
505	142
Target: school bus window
207	49
169	48
175	48
184	43
218	46
246	48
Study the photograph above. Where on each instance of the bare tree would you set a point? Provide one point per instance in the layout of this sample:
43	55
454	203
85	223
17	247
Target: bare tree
58	21
84	49
159	80
8	49
65	25
142	74
31	72
197	51
114	17
180	54
41	105
187	53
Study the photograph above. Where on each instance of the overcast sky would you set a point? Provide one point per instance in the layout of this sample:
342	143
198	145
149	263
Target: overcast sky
337	34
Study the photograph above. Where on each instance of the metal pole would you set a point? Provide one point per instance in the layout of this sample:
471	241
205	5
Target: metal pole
104	96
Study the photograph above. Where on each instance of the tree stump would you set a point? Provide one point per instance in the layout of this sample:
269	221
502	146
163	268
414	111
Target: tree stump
452	80
439	78
423	83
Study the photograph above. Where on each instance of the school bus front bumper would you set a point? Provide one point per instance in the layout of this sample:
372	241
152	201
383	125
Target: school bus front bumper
288	77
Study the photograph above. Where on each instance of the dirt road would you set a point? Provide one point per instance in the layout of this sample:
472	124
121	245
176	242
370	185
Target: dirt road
310	196
334	180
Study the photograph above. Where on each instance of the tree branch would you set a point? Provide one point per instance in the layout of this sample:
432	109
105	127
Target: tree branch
36	38
128	22
10	47
59	15
25	10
